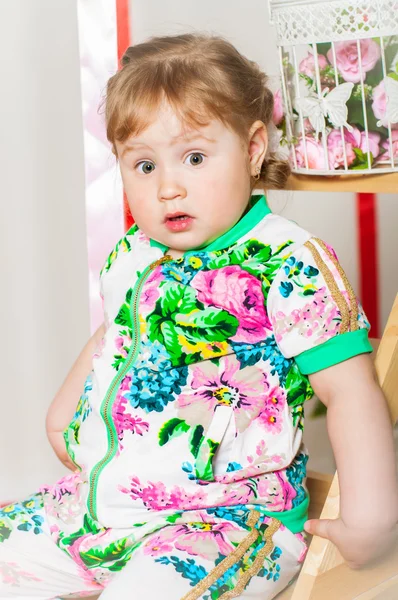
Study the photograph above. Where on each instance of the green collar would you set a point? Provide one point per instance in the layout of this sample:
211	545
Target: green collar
259	209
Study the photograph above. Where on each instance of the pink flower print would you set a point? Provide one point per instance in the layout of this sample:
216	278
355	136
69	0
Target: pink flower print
272	415
124	421
155	496
240	293
179	498
157	546
224	385
84	544
12	574
319	318
287	490
123	343
348	61
150	292
208	540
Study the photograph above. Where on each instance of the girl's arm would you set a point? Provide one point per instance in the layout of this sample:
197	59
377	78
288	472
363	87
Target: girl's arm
64	404
360	432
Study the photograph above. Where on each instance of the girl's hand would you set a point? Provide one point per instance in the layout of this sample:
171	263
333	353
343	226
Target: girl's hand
358	546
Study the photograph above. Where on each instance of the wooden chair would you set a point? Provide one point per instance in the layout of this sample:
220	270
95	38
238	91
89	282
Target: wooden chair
324	575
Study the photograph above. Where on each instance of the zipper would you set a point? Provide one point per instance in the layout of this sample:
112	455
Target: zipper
109	399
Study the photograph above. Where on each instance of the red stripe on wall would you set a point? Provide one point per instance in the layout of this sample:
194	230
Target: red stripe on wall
123	27
123	42
369	258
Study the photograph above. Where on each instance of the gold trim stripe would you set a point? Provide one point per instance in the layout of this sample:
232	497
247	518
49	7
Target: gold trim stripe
234	557
257	563
351	294
334	289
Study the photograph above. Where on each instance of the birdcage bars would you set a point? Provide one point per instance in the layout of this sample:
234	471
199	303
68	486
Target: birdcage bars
331	114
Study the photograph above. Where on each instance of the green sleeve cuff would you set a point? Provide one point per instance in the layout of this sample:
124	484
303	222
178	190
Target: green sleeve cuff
336	350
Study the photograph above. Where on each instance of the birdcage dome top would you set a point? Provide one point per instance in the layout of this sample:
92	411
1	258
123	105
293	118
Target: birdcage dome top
310	21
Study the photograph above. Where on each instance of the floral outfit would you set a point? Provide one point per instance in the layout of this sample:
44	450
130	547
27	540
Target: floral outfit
187	440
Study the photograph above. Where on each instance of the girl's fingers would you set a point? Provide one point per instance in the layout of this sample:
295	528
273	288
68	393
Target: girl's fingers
320	527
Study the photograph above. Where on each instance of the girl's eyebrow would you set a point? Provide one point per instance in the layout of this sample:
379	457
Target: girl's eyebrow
130	146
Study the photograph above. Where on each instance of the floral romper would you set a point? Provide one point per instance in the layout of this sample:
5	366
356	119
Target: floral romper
187	439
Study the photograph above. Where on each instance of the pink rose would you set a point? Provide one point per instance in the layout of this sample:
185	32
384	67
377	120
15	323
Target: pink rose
315	153
240	294
307	65
336	151
278	112
357	139
379	104
386	145
348	61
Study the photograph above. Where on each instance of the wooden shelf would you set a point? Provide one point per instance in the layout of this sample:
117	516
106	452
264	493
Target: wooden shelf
385	183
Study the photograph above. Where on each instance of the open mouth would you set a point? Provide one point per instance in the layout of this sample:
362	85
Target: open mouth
178	221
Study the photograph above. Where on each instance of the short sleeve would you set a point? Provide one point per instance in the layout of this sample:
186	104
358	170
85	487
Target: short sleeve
314	312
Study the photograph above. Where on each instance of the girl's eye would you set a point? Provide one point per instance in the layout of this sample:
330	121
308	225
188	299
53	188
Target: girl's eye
148	166
197	158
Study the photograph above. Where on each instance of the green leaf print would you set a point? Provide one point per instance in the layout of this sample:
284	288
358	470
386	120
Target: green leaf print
119	551
174	517
5	532
123	316
298	387
204	461
176	297
172	429
155	328
122	245
170	336
195	439
209	324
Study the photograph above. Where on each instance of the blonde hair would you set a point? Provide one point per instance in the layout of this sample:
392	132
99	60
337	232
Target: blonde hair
201	76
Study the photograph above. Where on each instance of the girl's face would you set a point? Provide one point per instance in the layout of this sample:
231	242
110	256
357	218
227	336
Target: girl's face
185	189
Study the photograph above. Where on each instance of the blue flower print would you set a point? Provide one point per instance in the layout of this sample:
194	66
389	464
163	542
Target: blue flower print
188	569
286	288
249	355
188	468
310	272
153	391
292	267
234	466
296	474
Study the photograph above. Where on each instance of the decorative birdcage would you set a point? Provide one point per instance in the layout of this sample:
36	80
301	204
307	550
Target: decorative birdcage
337	108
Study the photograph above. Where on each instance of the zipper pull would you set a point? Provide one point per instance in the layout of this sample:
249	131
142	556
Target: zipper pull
160	261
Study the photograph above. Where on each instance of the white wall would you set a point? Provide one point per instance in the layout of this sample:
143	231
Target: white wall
44	284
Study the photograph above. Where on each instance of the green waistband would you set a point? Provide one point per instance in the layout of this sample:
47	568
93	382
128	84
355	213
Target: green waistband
293	519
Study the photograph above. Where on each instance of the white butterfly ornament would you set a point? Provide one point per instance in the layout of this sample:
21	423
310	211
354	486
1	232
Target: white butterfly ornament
330	104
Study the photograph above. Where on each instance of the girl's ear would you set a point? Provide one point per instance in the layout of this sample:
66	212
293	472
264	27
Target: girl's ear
258	144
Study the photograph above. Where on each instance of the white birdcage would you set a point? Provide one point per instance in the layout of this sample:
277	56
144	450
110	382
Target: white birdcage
338	108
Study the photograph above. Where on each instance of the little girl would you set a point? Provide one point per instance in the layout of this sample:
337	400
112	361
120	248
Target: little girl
221	319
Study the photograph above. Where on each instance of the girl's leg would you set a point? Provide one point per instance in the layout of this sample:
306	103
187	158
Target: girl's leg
31	564
254	560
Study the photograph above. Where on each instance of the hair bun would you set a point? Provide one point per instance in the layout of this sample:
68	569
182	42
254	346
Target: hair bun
275	172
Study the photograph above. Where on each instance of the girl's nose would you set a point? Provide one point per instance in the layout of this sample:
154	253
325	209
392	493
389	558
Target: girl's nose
170	188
